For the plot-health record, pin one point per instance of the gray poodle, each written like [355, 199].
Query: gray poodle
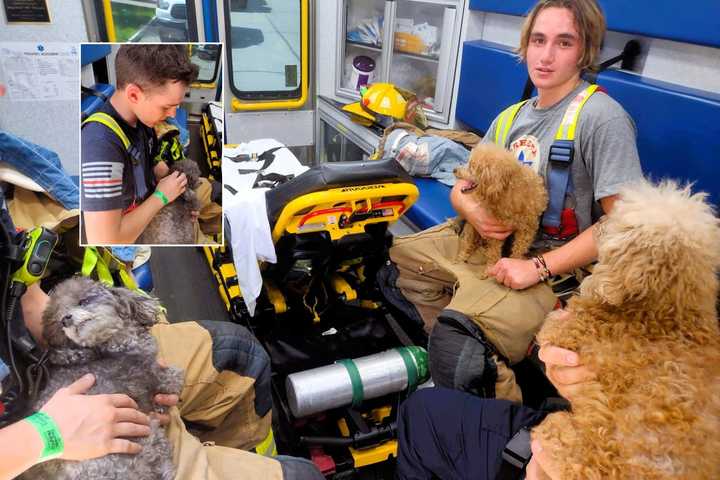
[174, 224]
[90, 328]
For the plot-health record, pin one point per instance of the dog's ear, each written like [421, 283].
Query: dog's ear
[144, 309]
[495, 169]
[658, 246]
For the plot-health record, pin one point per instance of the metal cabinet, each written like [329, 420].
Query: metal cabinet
[339, 138]
[411, 43]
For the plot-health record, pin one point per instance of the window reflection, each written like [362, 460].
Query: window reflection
[149, 20]
[206, 56]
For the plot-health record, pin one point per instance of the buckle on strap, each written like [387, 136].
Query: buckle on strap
[517, 452]
[561, 153]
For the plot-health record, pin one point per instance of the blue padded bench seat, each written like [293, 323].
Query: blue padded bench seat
[181, 116]
[678, 128]
[433, 205]
[90, 103]
[481, 97]
[692, 22]
[90, 53]
[491, 79]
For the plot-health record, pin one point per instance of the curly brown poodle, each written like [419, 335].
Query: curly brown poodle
[646, 323]
[512, 193]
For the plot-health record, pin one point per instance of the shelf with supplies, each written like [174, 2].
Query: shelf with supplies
[412, 44]
[417, 56]
[366, 46]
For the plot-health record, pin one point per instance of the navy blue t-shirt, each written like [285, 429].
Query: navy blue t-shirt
[113, 177]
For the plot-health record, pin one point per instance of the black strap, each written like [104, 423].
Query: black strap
[94, 93]
[528, 89]
[271, 180]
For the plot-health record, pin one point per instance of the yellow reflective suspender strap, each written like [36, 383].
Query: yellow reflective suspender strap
[111, 123]
[566, 130]
[502, 128]
[267, 447]
[560, 158]
[125, 277]
[93, 261]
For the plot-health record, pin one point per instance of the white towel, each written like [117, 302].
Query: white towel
[251, 242]
[246, 212]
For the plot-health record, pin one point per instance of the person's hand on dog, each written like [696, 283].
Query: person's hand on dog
[172, 185]
[514, 273]
[93, 426]
[167, 401]
[164, 400]
[564, 368]
[468, 208]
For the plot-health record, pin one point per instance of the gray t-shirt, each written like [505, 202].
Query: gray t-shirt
[606, 154]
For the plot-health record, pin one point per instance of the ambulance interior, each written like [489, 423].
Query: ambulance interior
[268, 118]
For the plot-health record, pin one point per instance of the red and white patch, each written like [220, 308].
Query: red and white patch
[527, 151]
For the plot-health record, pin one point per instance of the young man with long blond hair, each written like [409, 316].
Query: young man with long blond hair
[478, 328]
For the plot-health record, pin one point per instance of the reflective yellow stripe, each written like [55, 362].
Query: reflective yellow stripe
[111, 260]
[500, 124]
[93, 261]
[505, 122]
[89, 261]
[566, 130]
[127, 279]
[267, 447]
[109, 122]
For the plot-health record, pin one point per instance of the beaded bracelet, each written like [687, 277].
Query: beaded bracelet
[543, 271]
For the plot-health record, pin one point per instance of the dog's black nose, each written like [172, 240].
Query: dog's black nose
[66, 320]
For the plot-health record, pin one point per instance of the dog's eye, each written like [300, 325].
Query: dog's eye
[87, 300]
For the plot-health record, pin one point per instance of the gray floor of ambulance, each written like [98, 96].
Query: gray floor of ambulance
[185, 285]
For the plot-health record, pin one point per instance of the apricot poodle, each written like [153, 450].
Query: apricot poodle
[646, 323]
[512, 193]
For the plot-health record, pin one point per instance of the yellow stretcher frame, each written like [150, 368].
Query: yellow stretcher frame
[377, 454]
[211, 146]
[324, 210]
[237, 105]
[358, 198]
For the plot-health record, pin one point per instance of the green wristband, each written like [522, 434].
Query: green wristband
[161, 196]
[53, 445]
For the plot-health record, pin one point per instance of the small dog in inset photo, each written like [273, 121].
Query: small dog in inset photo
[512, 193]
[90, 328]
[174, 223]
[645, 322]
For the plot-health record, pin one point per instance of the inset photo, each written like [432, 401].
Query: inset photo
[151, 143]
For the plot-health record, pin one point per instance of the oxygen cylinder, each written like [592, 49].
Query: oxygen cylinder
[353, 380]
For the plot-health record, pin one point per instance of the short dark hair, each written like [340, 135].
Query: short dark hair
[151, 66]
